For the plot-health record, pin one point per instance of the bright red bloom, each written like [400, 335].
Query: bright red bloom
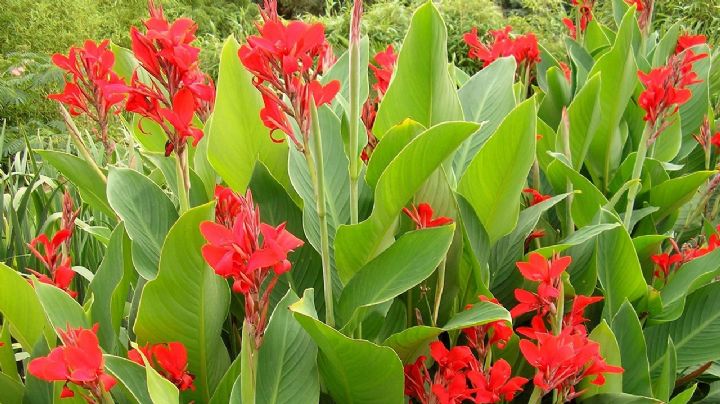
[450, 383]
[416, 376]
[59, 267]
[523, 47]
[286, 61]
[644, 9]
[482, 337]
[422, 216]
[536, 196]
[170, 360]
[715, 139]
[546, 272]
[664, 263]
[61, 277]
[687, 41]
[566, 70]
[529, 302]
[382, 70]
[536, 234]
[562, 361]
[496, 385]
[570, 25]
[78, 361]
[179, 89]
[576, 318]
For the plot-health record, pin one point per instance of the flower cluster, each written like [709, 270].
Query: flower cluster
[524, 48]
[79, 361]
[535, 196]
[235, 250]
[57, 264]
[383, 69]
[177, 89]
[286, 60]
[645, 10]
[422, 216]
[170, 360]
[667, 263]
[706, 138]
[584, 9]
[562, 356]
[91, 88]
[666, 88]
[483, 337]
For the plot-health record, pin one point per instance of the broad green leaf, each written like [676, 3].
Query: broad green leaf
[224, 389]
[610, 351]
[110, 288]
[125, 62]
[487, 97]
[287, 368]
[149, 134]
[8, 364]
[388, 148]
[474, 273]
[692, 275]
[620, 398]
[633, 350]
[12, 390]
[188, 303]
[694, 334]
[355, 245]
[237, 136]
[667, 146]
[147, 212]
[421, 88]
[615, 250]
[82, 175]
[666, 46]
[584, 115]
[412, 342]
[685, 396]
[61, 309]
[407, 262]
[663, 380]
[494, 180]
[131, 375]
[672, 194]
[20, 306]
[619, 71]
[558, 97]
[353, 371]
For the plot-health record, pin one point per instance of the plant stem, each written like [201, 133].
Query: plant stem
[354, 53]
[317, 174]
[565, 133]
[183, 185]
[439, 291]
[536, 396]
[636, 173]
[77, 139]
[557, 327]
[248, 365]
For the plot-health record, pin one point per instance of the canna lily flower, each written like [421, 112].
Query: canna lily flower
[79, 361]
[645, 10]
[416, 376]
[570, 25]
[664, 262]
[496, 384]
[61, 277]
[524, 48]
[422, 216]
[687, 41]
[383, 69]
[170, 360]
[497, 333]
[58, 266]
[51, 255]
[180, 117]
[534, 235]
[576, 318]
[546, 272]
[535, 196]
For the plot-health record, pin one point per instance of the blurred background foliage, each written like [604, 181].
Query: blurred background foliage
[32, 30]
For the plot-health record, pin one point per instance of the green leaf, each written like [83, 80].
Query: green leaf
[131, 375]
[685, 396]
[224, 389]
[12, 390]
[610, 351]
[494, 180]
[618, 69]
[690, 277]
[161, 390]
[110, 288]
[407, 262]
[353, 371]
[20, 306]
[188, 303]
[83, 176]
[663, 381]
[61, 309]
[487, 97]
[694, 334]
[615, 250]
[584, 115]
[412, 342]
[388, 148]
[620, 398]
[633, 350]
[355, 245]
[287, 368]
[421, 88]
[586, 203]
[672, 194]
[148, 214]
[237, 136]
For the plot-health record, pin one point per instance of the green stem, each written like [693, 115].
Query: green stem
[439, 291]
[354, 129]
[248, 364]
[560, 309]
[317, 174]
[636, 173]
[183, 185]
[77, 139]
[536, 396]
[565, 133]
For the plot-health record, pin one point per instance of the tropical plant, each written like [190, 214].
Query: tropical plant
[379, 229]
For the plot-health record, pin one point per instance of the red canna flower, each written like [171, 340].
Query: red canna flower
[236, 250]
[57, 265]
[566, 70]
[546, 272]
[170, 360]
[286, 60]
[178, 89]
[383, 69]
[79, 361]
[92, 88]
[422, 216]
[664, 262]
[570, 25]
[687, 41]
[535, 196]
[496, 384]
[523, 47]
[576, 318]
[482, 337]
[61, 277]
[416, 376]
[536, 234]
[715, 139]
[645, 10]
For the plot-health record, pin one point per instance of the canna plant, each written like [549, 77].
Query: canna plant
[379, 228]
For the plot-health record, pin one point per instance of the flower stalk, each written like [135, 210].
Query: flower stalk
[248, 365]
[183, 180]
[77, 140]
[636, 173]
[354, 54]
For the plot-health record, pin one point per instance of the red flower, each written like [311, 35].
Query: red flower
[178, 88]
[382, 70]
[523, 47]
[78, 361]
[61, 277]
[664, 263]
[715, 139]
[498, 333]
[170, 360]
[566, 70]
[59, 267]
[687, 41]
[546, 272]
[286, 61]
[422, 216]
[496, 385]
[570, 25]
[644, 9]
[576, 318]
[416, 376]
[450, 383]
[562, 361]
[536, 234]
[529, 302]
[536, 197]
